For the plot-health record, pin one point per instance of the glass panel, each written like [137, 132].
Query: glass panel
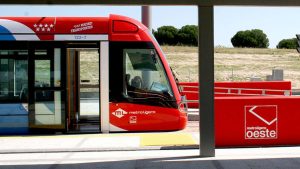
[48, 107]
[21, 77]
[42, 73]
[3, 52]
[4, 85]
[57, 65]
[89, 66]
[14, 80]
[89, 82]
[14, 52]
[40, 52]
[24, 52]
[145, 72]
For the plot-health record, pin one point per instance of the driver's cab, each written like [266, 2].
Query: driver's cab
[143, 79]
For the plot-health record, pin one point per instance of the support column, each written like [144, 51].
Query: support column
[206, 80]
[146, 20]
[146, 17]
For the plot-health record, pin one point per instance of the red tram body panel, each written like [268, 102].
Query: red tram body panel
[154, 104]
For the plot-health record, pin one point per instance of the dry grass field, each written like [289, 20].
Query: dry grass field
[231, 64]
[236, 64]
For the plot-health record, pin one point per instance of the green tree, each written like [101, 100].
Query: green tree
[188, 35]
[166, 35]
[254, 38]
[288, 44]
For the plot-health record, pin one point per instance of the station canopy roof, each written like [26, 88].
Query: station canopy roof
[159, 2]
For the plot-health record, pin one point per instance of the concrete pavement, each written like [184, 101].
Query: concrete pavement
[245, 158]
[166, 150]
[187, 138]
[98, 142]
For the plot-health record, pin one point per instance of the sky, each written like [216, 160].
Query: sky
[277, 22]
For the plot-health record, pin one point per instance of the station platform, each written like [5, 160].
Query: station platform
[98, 142]
[176, 150]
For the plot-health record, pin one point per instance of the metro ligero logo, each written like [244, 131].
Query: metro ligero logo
[119, 113]
[261, 122]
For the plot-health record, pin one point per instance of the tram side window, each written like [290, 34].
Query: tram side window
[13, 80]
[145, 72]
[4, 78]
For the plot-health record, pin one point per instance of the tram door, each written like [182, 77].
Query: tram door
[83, 90]
[46, 88]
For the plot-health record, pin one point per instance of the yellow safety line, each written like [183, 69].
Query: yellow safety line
[167, 139]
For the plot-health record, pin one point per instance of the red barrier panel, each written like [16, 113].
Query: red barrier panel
[280, 85]
[190, 90]
[257, 121]
[224, 89]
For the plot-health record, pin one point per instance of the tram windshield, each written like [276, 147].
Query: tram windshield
[144, 72]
